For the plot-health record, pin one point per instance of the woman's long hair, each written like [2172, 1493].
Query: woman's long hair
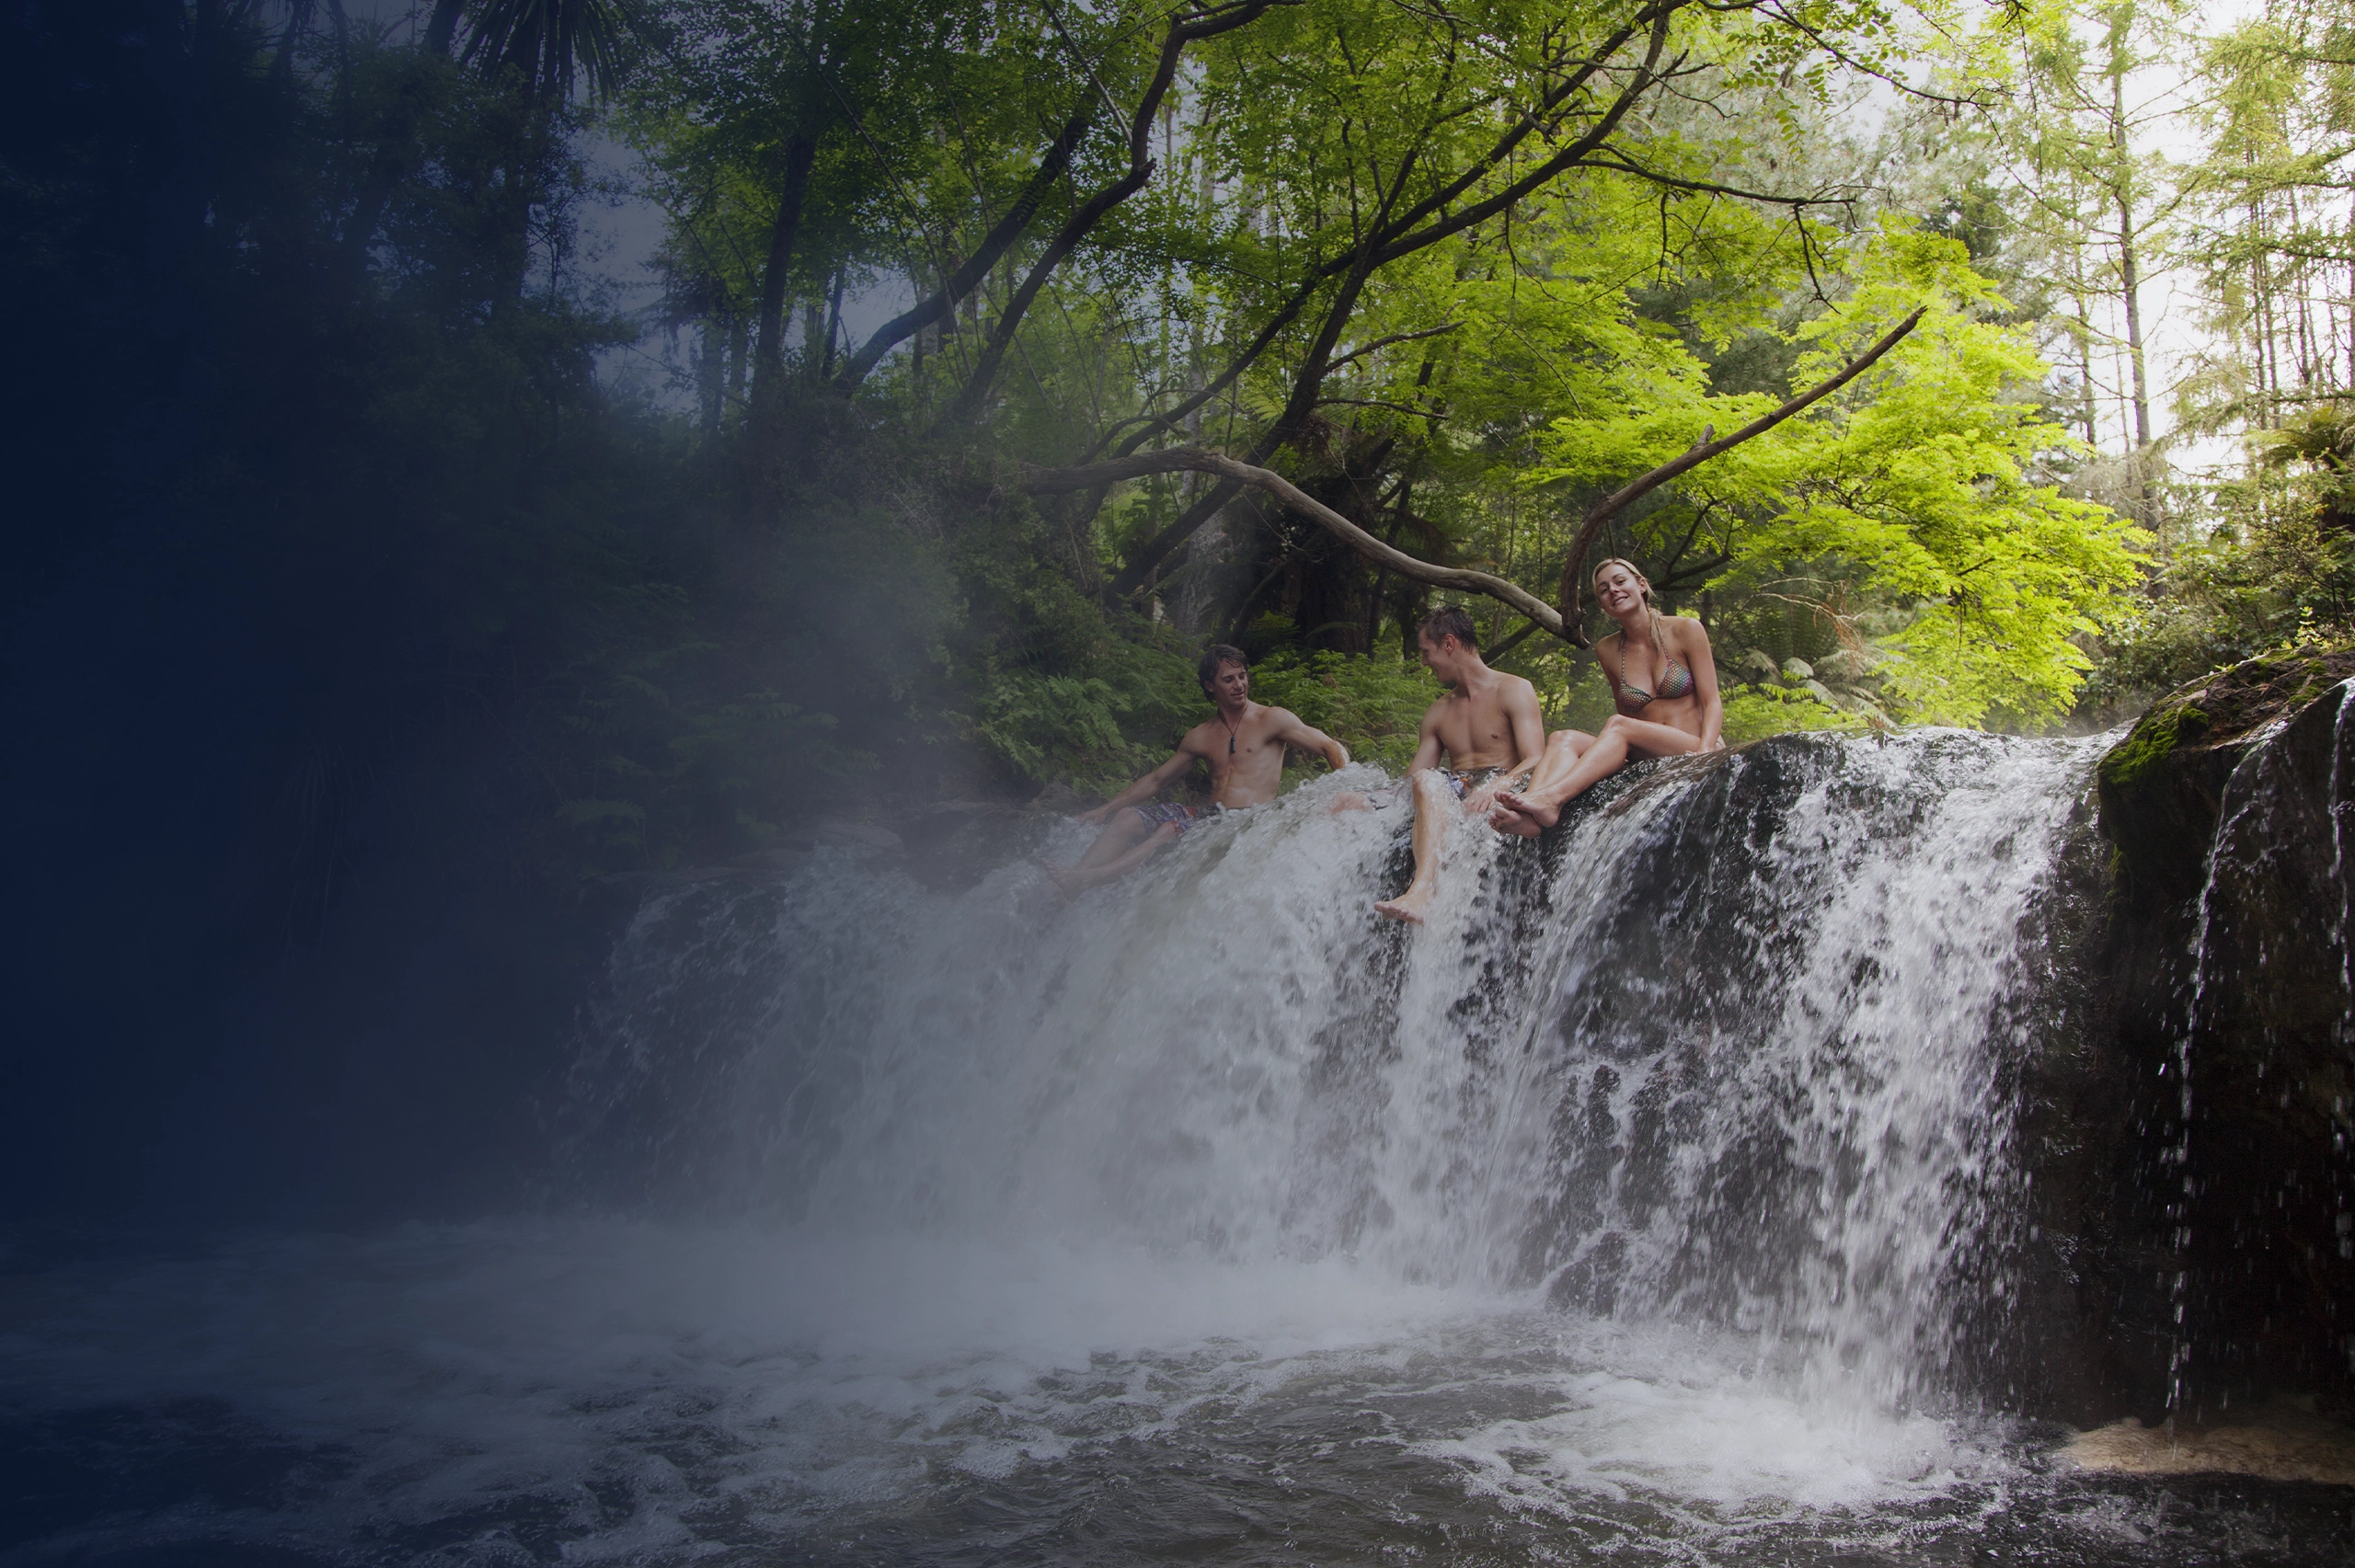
[1652, 616]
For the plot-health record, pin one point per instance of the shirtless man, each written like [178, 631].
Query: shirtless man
[1244, 743]
[1491, 732]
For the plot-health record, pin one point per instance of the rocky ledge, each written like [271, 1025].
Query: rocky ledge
[2222, 1013]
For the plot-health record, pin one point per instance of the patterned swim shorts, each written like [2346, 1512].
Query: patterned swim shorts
[1469, 779]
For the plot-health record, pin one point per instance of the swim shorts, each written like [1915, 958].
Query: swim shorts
[1465, 781]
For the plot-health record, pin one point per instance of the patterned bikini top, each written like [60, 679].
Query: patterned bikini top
[1676, 683]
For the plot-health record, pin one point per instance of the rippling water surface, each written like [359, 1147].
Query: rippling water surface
[626, 1393]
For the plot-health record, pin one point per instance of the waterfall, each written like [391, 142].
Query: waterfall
[1733, 1047]
[1672, 1195]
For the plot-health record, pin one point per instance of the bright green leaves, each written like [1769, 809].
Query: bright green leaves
[1917, 487]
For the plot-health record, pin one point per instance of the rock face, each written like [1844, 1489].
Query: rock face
[2225, 1261]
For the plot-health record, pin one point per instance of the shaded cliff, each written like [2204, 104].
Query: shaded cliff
[2227, 1260]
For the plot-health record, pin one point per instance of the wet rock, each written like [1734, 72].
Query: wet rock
[1060, 799]
[864, 834]
[2226, 991]
[2284, 1440]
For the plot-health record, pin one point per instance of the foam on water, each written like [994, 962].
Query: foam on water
[630, 1380]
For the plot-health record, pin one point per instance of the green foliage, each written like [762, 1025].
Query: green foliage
[1753, 712]
[1097, 732]
[1372, 704]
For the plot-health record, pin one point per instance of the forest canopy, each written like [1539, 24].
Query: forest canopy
[369, 508]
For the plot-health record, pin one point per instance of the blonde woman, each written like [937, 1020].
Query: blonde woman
[1665, 683]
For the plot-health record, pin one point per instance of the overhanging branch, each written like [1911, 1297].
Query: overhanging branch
[1604, 511]
[1171, 459]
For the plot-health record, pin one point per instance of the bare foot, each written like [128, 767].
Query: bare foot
[1059, 876]
[1409, 906]
[1514, 823]
[1529, 811]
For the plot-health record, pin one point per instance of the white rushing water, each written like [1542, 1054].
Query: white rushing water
[1633, 1193]
[1728, 1054]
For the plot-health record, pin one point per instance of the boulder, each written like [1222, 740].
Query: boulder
[1759, 668]
[1795, 670]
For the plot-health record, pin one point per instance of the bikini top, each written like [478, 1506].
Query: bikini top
[1677, 681]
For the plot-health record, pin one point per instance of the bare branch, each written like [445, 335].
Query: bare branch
[1204, 24]
[1045, 481]
[908, 323]
[1604, 511]
[1394, 339]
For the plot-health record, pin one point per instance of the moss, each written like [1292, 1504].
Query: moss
[2153, 740]
[2222, 707]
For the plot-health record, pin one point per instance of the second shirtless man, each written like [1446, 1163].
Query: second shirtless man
[1244, 743]
[1491, 732]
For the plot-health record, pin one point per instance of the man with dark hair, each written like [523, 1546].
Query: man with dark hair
[1490, 730]
[1243, 742]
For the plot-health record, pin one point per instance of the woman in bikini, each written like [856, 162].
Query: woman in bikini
[1665, 682]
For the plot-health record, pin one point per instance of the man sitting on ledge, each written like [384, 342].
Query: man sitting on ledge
[1490, 727]
[1243, 742]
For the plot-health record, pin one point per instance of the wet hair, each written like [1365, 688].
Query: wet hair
[1651, 611]
[1217, 656]
[1450, 621]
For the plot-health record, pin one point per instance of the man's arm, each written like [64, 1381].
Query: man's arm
[1145, 788]
[1428, 752]
[1528, 721]
[1293, 730]
[1528, 724]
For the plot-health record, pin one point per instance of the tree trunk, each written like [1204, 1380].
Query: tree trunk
[442, 27]
[711, 367]
[834, 326]
[740, 356]
[801, 151]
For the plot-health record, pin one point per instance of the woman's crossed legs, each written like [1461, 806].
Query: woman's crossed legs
[1574, 761]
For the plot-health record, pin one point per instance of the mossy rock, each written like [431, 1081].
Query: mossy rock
[2153, 741]
[2160, 788]
[2223, 707]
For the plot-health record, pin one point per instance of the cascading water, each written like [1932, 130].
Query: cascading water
[1644, 1206]
[1728, 1052]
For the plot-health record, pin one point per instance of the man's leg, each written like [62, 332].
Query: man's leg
[1609, 753]
[1126, 842]
[1434, 808]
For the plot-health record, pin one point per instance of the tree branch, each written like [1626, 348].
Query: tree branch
[1200, 25]
[908, 323]
[1610, 506]
[1047, 481]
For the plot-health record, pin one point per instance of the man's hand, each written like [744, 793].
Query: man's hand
[1099, 816]
[1482, 802]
